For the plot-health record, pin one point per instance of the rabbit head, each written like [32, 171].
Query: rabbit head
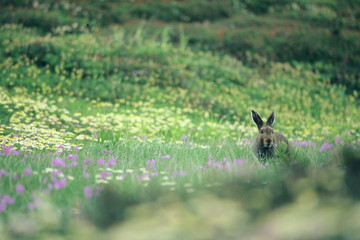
[266, 132]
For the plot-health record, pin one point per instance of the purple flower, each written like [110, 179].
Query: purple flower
[87, 161]
[326, 134]
[76, 148]
[72, 157]
[58, 162]
[86, 175]
[182, 174]
[175, 173]
[101, 162]
[184, 138]
[143, 137]
[7, 150]
[337, 140]
[16, 177]
[165, 157]
[267, 164]
[4, 172]
[95, 135]
[27, 172]
[323, 147]
[31, 206]
[112, 161]
[19, 188]
[238, 162]
[88, 191]
[209, 156]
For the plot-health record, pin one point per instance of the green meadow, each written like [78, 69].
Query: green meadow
[131, 119]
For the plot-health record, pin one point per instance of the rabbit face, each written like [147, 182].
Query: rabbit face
[266, 135]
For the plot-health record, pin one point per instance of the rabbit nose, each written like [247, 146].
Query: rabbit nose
[268, 141]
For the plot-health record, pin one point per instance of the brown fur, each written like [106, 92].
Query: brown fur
[265, 143]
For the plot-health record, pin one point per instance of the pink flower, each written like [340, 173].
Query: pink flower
[184, 138]
[31, 206]
[267, 164]
[19, 188]
[175, 173]
[95, 135]
[86, 175]
[165, 157]
[112, 161]
[143, 137]
[76, 148]
[88, 191]
[59, 162]
[27, 172]
[182, 174]
[238, 162]
[101, 162]
[337, 140]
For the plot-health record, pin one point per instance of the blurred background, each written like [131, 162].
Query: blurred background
[323, 33]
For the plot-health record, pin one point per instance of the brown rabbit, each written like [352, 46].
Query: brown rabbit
[267, 140]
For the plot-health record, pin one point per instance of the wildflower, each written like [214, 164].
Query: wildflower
[143, 137]
[76, 148]
[27, 172]
[59, 162]
[31, 206]
[104, 151]
[182, 174]
[175, 173]
[100, 161]
[267, 164]
[95, 135]
[88, 191]
[323, 147]
[238, 162]
[72, 157]
[112, 161]
[86, 175]
[19, 188]
[184, 138]
[16, 177]
[337, 140]
[165, 157]
[326, 134]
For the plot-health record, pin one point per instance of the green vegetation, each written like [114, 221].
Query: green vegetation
[132, 119]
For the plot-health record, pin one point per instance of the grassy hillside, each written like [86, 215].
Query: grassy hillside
[119, 119]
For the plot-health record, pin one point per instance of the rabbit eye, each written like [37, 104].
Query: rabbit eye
[261, 131]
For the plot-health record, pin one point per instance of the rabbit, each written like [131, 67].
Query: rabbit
[265, 143]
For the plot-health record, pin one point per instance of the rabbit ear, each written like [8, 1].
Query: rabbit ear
[256, 119]
[271, 120]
